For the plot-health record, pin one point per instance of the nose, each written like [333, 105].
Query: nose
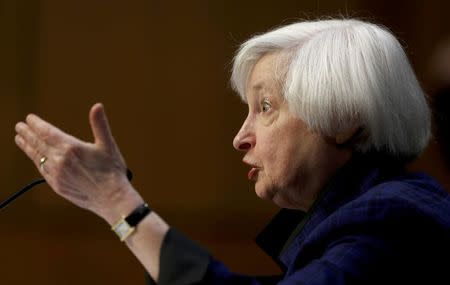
[245, 138]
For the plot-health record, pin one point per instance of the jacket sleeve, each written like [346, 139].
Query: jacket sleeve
[345, 261]
[183, 262]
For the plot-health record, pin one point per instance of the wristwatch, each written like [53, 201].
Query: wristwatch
[127, 225]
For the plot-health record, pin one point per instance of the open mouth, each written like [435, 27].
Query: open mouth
[254, 171]
[253, 174]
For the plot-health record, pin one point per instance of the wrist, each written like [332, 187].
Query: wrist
[122, 206]
[127, 224]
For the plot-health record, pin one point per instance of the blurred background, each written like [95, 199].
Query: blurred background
[162, 70]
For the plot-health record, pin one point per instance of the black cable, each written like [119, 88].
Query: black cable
[20, 192]
[37, 182]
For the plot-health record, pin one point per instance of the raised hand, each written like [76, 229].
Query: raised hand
[90, 175]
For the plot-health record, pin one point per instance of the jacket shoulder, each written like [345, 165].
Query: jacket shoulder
[412, 197]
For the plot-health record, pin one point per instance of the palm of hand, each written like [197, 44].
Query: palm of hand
[90, 175]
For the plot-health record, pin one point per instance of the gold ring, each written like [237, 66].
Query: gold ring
[42, 161]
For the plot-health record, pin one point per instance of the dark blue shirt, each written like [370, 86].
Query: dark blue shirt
[374, 223]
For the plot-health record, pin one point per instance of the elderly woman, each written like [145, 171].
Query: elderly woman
[335, 112]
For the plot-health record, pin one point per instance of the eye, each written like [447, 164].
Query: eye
[266, 106]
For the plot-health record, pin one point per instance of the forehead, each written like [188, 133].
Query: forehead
[262, 77]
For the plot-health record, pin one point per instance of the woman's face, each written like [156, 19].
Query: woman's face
[289, 163]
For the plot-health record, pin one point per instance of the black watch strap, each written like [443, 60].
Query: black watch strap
[138, 214]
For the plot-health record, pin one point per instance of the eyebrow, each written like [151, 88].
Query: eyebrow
[260, 89]
[258, 86]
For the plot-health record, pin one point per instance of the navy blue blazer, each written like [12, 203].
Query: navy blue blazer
[375, 223]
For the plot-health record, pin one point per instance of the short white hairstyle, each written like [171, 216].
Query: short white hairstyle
[340, 74]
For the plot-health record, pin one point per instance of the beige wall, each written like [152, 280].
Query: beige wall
[161, 68]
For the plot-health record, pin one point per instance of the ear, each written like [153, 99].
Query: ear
[348, 136]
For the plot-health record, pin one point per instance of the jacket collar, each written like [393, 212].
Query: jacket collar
[362, 171]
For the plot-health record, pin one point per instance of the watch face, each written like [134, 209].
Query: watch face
[123, 230]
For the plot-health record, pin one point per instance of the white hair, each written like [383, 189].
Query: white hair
[341, 74]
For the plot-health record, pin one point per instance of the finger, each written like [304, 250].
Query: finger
[100, 127]
[30, 152]
[31, 139]
[46, 131]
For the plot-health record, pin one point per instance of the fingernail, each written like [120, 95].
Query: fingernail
[29, 117]
[18, 126]
[18, 139]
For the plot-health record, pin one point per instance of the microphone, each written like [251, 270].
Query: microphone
[37, 182]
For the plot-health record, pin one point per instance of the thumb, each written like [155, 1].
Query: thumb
[100, 127]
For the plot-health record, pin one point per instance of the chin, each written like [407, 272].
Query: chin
[282, 203]
[264, 192]
[273, 194]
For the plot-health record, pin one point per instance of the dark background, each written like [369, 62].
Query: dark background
[162, 70]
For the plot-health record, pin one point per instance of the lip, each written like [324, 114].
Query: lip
[253, 174]
[254, 165]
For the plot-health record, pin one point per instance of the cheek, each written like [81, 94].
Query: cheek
[281, 157]
[282, 148]
[267, 149]
[288, 164]
[290, 156]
